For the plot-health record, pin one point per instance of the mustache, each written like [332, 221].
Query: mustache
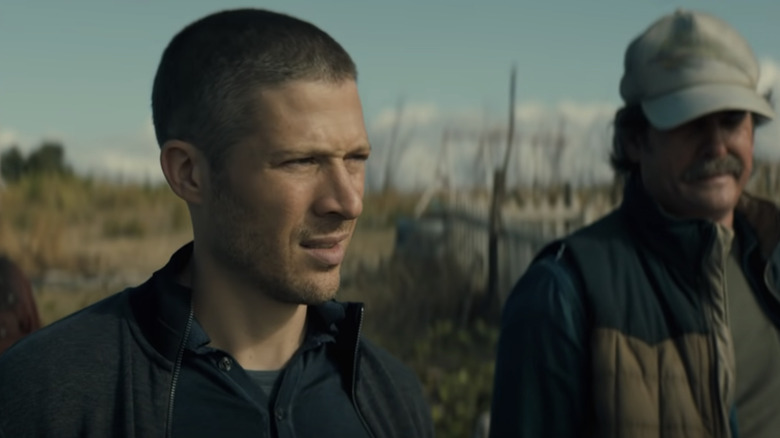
[728, 164]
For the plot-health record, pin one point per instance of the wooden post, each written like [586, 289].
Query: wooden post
[490, 309]
[492, 306]
[388, 183]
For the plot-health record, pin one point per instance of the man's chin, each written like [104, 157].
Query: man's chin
[316, 299]
[711, 207]
[314, 291]
[714, 189]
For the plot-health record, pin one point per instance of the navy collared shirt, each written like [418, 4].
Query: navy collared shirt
[216, 397]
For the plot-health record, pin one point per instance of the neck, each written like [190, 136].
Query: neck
[727, 220]
[259, 332]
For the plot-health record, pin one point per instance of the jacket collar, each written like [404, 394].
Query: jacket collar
[162, 308]
[685, 242]
[756, 222]
[763, 217]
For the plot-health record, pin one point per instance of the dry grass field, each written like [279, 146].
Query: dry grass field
[79, 240]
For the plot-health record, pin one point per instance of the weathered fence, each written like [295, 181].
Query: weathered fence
[458, 228]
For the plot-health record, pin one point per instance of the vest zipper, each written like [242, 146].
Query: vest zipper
[721, 422]
[354, 376]
[713, 357]
[722, 426]
[769, 285]
[176, 371]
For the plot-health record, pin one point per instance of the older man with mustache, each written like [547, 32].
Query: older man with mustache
[662, 318]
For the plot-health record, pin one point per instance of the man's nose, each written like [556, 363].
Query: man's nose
[714, 136]
[341, 193]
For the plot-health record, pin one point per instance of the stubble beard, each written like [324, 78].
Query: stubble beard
[247, 253]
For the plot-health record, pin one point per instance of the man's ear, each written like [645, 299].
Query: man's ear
[186, 170]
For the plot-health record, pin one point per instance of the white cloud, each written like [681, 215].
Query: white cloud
[8, 137]
[530, 112]
[11, 137]
[586, 114]
[114, 163]
[586, 134]
[768, 136]
[417, 167]
[770, 75]
[768, 141]
[130, 156]
[411, 114]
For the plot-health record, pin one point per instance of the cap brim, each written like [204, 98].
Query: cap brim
[674, 109]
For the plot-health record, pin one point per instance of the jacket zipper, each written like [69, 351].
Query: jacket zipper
[176, 370]
[721, 422]
[354, 376]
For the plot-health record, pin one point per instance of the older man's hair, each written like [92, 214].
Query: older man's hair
[630, 126]
[207, 83]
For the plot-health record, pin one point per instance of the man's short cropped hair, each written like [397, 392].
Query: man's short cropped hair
[207, 82]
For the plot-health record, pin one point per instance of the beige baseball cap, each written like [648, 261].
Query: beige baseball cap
[688, 64]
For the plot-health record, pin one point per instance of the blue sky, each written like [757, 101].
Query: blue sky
[81, 70]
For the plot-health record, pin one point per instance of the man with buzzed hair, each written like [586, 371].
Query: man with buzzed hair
[661, 319]
[261, 132]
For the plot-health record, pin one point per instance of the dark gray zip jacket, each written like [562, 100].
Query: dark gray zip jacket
[110, 370]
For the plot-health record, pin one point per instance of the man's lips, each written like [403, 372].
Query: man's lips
[713, 177]
[327, 250]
